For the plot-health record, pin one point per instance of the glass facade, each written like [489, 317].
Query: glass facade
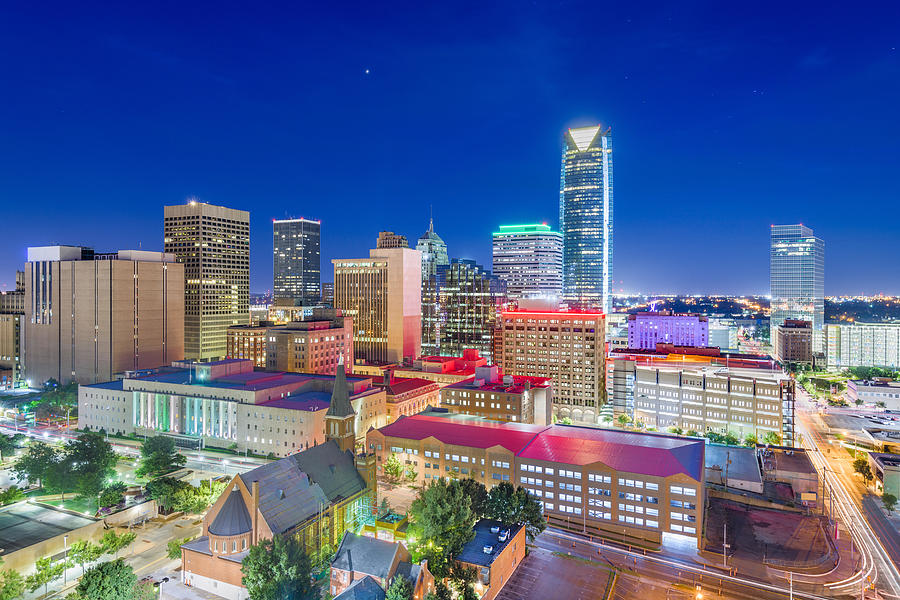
[464, 300]
[586, 217]
[296, 260]
[797, 279]
[529, 259]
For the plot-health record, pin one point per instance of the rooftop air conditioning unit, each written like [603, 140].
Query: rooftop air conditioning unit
[488, 549]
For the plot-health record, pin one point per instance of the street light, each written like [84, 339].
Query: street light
[161, 582]
[65, 560]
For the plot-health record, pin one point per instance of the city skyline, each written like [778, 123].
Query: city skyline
[759, 120]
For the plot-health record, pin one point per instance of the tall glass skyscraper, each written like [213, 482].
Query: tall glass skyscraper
[797, 278]
[586, 217]
[528, 258]
[296, 260]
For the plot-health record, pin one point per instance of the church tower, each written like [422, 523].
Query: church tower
[340, 418]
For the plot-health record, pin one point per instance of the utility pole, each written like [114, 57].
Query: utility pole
[791, 575]
[724, 545]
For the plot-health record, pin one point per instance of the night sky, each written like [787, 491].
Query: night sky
[366, 114]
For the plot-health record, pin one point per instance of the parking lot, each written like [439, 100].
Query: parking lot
[543, 574]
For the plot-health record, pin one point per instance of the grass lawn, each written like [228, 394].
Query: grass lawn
[86, 506]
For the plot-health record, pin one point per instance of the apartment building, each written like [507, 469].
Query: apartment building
[90, 316]
[567, 347]
[863, 345]
[628, 486]
[227, 402]
[792, 342]
[493, 395]
[720, 399]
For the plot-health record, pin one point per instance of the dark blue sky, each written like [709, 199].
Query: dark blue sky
[723, 123]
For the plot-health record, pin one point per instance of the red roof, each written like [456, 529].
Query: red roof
[483, 434]
[647, 454]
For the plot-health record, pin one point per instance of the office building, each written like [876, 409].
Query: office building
[797, 279]
[316, 344]
[328, 293]
[493, 395]
[406, 396]
[442, 370]
[567, 347]
[314, 496]
[389, 239]
[383, 296]
[586, 217]
[434, 257]
[12, 323]
[723, 334]
[863, 345]
[706, 398]
[463, 315]
[90, 317]
[529, 260]
[631, 487]
[879, 392]
[248, 342]
[792, 342]
[646, 329]
[227, 403]
[434, 252]
[213, 243]
[296, 260]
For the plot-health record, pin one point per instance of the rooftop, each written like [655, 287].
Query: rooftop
[367, 555]
[480, 434]
[743, 465]
[792, 460]
[473, 552]
[23, 525]
[362, 589]
[510, 384]
[891, 461]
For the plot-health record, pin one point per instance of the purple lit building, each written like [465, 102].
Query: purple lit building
[647, 329]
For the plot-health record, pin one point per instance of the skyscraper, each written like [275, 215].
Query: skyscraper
[434, 256]
[797, 279]
[383, 296]
[586, 217]
[213, 242]
[529, 259]
[434, 251]
[296, 260]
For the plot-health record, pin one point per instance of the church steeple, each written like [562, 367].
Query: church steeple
[340, 418]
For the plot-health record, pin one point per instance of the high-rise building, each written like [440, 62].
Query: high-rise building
[646, 329]
[296, 260]
[12, 323]
[529, 259]
[492, 395]
[567, 347]
[314, 345]
[586, 217]
[389, 239]
[213, 243]
[89, 317]
[434, 251]
[863, 345]
[467, 300]
[434, 256]
[383, 296]
[797, 279]
[792, 342]
[328, 293]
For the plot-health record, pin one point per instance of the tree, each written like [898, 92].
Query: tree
[173, 548]
[565, 421]
[10, 495]
[392, 467]
[163, 490]
[92, 461]
[113, 580]
[889, 501]
[441, 592]
[12, 585]
[442, 513]
[45, 573]
[278, 569]
[861, 466]
[515, 506]
[158, 457]
[411, 473]
[477, 494]
[692, 433]
[750, 439]
[8, 445]
[323, 558]
[715, 437]
[772, 438]
[84, 552]
[623, 420]
[400, 589]
[113, 494]
[676, 430]
[111, 542]
[37, 461]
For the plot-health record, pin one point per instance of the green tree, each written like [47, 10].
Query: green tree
[278, 569]
[12, 585]
[10, 495]
[113, 494]
[515, 506]
[731, 439]
[164, 491]
[392, 467]
[411, 473]
[750, 439]
[565, 421]
[889, 501]
[441, 592]
[772, 439]
[158, 457]
[623, 420]
[676, 430]
[113, 542]
[715, 437]
[8, 445]
[477, 494]
[113, 580]
[442, 515]
[84, 552]
[45, 573]
[36, 462]
[861, 466]
[400, 589]
[692, 433]
[92, 462]
[173, 548]
[322, 558]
